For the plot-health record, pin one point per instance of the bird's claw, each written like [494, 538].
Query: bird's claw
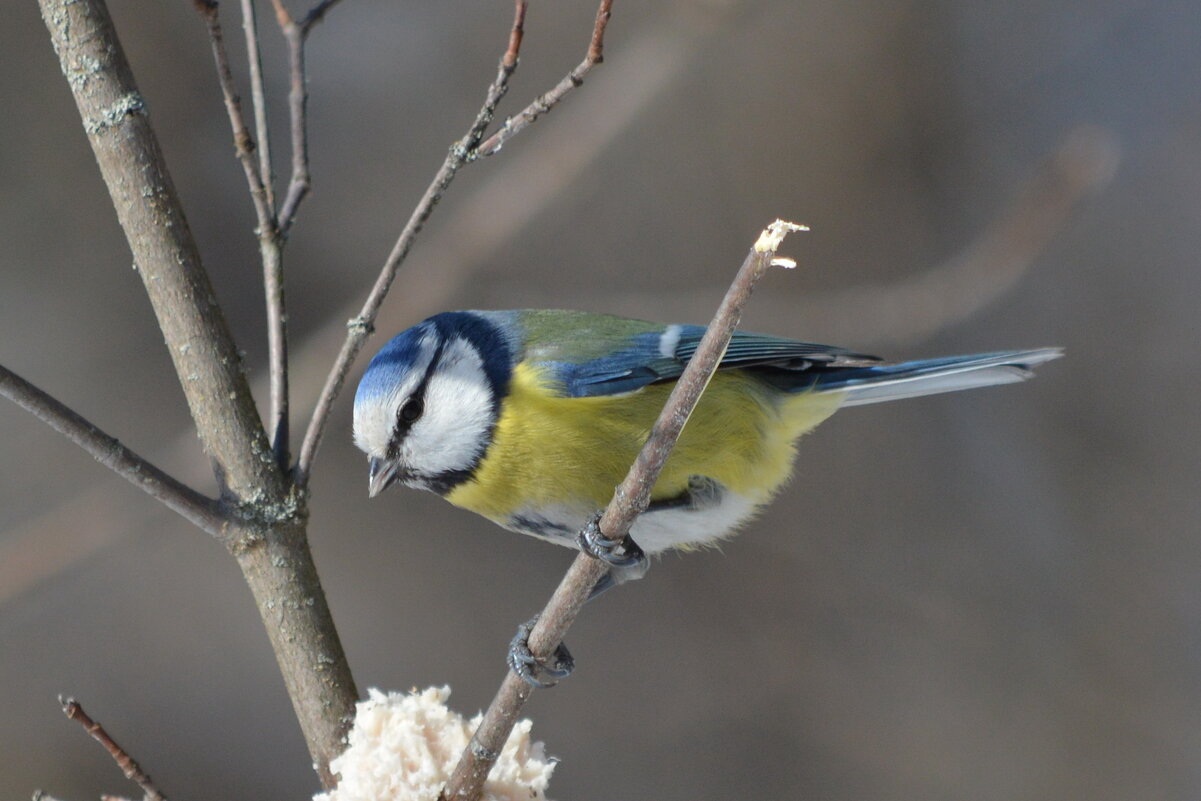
[540, 673]
[623, 553]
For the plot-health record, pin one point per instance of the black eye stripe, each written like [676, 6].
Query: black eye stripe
[401, 430]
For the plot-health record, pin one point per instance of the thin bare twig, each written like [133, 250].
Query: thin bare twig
[258, 97]
[271, 238]
[125, 762]
[258, 177]
[180, 498]
[544, 103]
[629, 500]
[271, 253]
[244, 145]
[298, 99]
[359, 328]
[299, 186]
[295, 34]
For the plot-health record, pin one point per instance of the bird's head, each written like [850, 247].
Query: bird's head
[426, 406]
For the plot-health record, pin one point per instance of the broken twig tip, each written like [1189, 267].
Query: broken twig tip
[774, 234]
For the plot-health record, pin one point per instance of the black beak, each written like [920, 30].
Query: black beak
[381, 475]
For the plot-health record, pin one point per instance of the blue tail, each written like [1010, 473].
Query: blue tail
[930, 376]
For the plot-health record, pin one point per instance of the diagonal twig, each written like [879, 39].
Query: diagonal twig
[125, 762]
[629, 500]
[360, 327]
[469, 148]
[178, 497]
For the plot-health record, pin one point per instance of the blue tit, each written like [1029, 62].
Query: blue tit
[531, 418]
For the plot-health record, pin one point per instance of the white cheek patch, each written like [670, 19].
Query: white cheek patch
[453, 431]
[375, 411]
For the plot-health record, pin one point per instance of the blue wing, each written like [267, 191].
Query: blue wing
[632, 361]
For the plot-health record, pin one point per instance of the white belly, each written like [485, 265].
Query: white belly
[654, 531]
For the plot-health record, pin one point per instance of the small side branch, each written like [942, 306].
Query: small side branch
[544, 103]
[201, 511]
[125, 762]
[296, 34]
[629, 500]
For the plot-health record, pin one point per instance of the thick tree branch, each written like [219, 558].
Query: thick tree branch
[279, 569]
[125, 762]
[267, 531]
[629, 500]
[201, 511]
[131, 162]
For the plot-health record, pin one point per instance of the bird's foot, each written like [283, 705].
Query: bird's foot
[540, 673]
[626, 560]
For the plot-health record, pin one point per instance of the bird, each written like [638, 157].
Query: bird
[531, 417]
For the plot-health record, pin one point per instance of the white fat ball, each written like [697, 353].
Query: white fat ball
[404, 746]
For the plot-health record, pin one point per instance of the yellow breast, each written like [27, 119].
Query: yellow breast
[571, 452]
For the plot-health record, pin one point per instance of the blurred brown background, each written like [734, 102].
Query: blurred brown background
[992, 595]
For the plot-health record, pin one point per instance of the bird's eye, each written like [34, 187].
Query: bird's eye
[411, 410]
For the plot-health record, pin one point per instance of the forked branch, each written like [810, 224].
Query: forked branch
[296, 34]
[629, 500]
[544, 103]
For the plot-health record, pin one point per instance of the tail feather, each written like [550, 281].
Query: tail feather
[865, 385]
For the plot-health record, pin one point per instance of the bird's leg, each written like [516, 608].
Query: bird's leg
[626, 560]
[541, 673]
